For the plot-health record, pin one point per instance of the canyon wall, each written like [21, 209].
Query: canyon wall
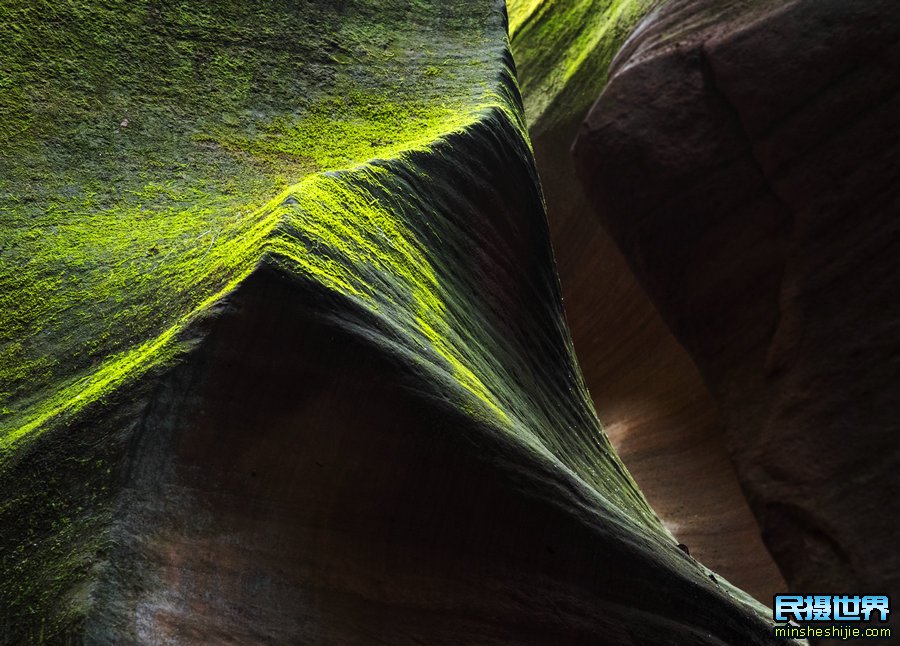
[285, 352]
[649, 395]
[760, 142]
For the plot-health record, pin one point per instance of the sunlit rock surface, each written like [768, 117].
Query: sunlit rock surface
[284, 352]
[648, 394]
[764, 139]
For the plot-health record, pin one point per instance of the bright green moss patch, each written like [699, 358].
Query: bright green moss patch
[340, 132]
[563, 49]
[345, 238]
[145, 153]
[141, 144]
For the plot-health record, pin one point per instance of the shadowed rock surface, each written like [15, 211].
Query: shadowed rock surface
[761, 140]
[648, 394]
[287, 354]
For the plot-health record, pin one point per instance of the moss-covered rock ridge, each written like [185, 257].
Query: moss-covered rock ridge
[180, 181]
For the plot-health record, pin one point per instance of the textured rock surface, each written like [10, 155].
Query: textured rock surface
[761, 142]
[291, 363]
[647, 392]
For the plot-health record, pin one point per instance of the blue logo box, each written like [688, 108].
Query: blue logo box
[823, 607]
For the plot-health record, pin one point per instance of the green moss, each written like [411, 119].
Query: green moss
[340, 132]
[345, 238]
[142, 144]
[563, 50]
[145, 153]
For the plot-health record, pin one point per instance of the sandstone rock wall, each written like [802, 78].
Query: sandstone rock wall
[760, 142]
[648, 394]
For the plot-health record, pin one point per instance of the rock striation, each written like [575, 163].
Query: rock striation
[759, 142]
[648, 393]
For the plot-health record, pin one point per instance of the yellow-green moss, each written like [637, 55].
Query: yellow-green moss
[346, 239]
[563, 49]
[143, 142]
[145, 153]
